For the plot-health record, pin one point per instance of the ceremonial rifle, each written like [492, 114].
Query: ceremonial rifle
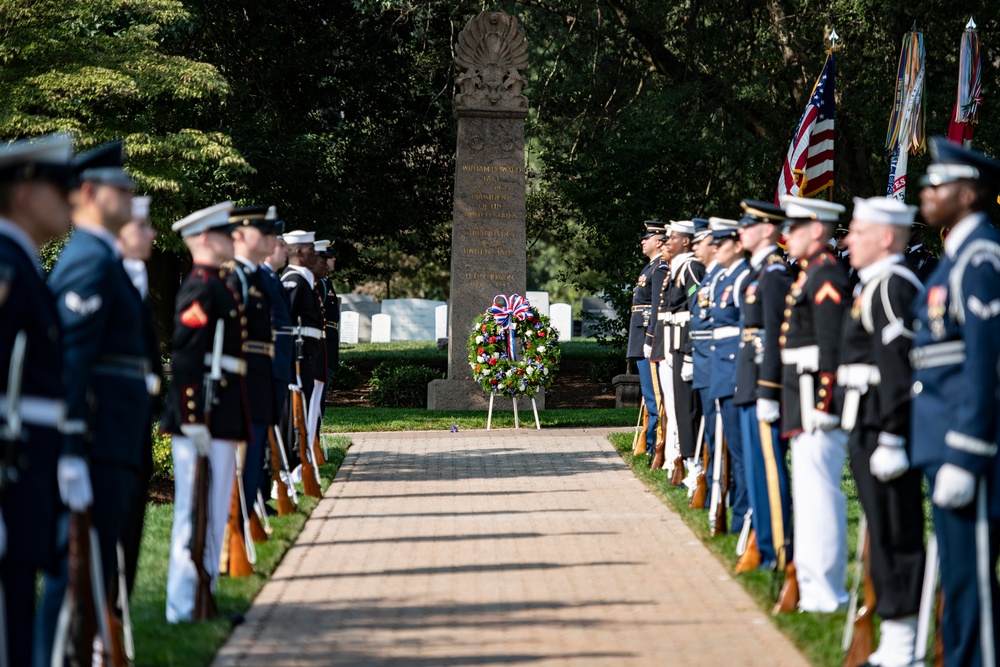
[287, 496]
[788, 597]
[638, 441]
[204, 601]
[859, 630]
[701, 483]
[241, 550]
[720, 480]
[310, 476]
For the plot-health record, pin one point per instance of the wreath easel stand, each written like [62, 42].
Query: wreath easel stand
[517, 423]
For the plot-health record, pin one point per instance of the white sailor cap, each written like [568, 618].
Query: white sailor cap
[214, 218]
[299, 236]
[48, 158]
[884, 211]
[723, 228]
[801, 209]
[140, 207]
[682, 226]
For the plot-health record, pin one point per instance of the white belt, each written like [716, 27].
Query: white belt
[44, 412]
[682, 318]
[307, 332]
[230, 364]
[805, 359]
[860, 376]
[665, 317]
[725, 332]
[938, 354]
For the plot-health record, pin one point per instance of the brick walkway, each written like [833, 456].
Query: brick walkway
[476, 548]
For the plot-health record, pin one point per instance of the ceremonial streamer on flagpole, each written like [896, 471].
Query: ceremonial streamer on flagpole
[808, 167]
[906, 124]
[970, 86]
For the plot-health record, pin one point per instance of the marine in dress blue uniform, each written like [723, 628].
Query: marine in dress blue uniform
[105, 359]
[809, 351]
[724, 312]
[875, 372]
[758, 383]
[639, 321]
[325, 262]
[701, 340]
[204, 301]
[29, 498]
[954, 417]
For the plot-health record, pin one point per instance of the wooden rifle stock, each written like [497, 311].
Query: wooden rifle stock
[639, 439]
[677, 476]
[239, 561]
[318, 455]
[861, 629]
[78, 623]
[939, 630]
[285, 504]
[701, 488]
[721, 525]
[750, 558]
[116, 652]
[204, 601]
[309, 485]
[788, 598]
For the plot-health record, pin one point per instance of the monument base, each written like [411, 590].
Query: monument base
[628, 393]
[465, 394]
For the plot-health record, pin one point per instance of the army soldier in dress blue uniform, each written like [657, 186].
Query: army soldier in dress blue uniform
[758, 386]
[253, 242]
[875, 372]
[34, 178]
[954, 416]
[642, 309]
[701, 341]
[658, 339]
[206, 305]
[809, 342]
[686, 275]
[724, 311]
[105, 356]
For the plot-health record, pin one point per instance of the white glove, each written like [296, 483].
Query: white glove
[3, 537]
[73, 477]
[647, 350]
[889, 459]
[954, 487]
[687, 370]
[199, 435]
[768, 411]
[824, 421]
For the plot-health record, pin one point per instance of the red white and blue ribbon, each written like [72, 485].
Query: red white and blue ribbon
[507, 311]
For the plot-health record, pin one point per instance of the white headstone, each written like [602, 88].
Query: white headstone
[562, 320]
[441, 322]
[412, 319]
[365, 306]
[381, 326]
[349, 321]
[539, 300]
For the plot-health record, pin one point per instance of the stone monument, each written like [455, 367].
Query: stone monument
[488, 235]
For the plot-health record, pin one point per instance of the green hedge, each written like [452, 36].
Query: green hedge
[396, 385]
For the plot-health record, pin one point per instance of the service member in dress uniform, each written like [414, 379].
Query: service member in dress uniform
[758, 384]
[810, 338]
[701, 340]
[105, 359]
[326, 260]
[253, 242]
[306, 312]
[642, 309]
[843, 254]
[724, 311]
[875, 372]
[35, 175]
[921, 260]
[686, 274]
[954, 416]
[658, 338]
[206, 304]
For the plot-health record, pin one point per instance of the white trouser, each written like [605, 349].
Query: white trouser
[313, 413]
[182, 577]
[665, 372]
[819, 509]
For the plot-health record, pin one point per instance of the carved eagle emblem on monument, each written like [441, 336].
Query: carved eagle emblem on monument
[490, 54]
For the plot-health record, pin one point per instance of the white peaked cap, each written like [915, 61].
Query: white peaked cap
[321, 246]
[723, 225]
[682, 226]
[801, 208]
[50, 149]
[203, 220]
[299, 236]
[884, 211]
[272, 213]
[140, 207]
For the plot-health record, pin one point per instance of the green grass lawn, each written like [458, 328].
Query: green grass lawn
[818, 636]
[346, 420]
[191, 644]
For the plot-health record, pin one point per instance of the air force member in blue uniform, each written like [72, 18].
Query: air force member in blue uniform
[105, 356]
[758, 385]
[955, 415]
[724, 311]
[34, 178]
[642, 307]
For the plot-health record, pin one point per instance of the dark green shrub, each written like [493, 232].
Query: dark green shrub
[605, 366]
[347, 376]
[163, 460]
[397, 385]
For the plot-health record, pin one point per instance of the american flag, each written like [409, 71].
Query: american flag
[808, 167]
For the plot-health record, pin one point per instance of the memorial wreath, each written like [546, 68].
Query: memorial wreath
[513, 349]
